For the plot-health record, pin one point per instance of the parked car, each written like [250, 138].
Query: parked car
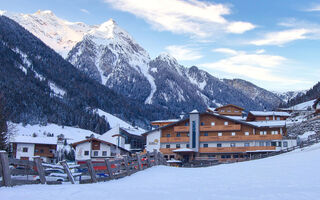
[51, 177]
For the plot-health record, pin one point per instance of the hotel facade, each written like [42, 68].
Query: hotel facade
[220, 134]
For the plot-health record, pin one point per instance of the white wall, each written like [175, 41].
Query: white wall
[80, 149]
[103, 147]
[153, 140]
[20, 152]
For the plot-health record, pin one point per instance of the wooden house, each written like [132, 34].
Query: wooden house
[267, 116]
[26, 147]
[212, 135]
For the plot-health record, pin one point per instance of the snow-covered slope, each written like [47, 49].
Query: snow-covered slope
[71, 133]
[303, 106]
[59, 34]
[293, 176]
[287, 96]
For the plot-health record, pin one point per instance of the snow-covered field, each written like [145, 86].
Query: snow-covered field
[293, 176]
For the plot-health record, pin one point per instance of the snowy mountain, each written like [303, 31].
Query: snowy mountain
[288, 96]
[109, 55]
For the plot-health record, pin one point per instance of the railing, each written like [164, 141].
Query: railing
[181, 129]
[235, 149]
[19, 172]
[174, 139]
[240, 138]
[236, 127]
[167, 150]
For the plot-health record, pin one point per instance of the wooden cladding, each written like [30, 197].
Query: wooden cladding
[167, 150]
[181, 129]
[235, 127]
[174, 139]
[235, 149]
[240, 138]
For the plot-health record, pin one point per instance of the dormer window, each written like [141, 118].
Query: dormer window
[226, 123]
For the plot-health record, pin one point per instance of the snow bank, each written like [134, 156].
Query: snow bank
[305, 136]
[293, 176]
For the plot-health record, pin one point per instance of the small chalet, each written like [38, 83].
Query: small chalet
[96, 149]
[26, 147]
[230, 109]
[267, 116]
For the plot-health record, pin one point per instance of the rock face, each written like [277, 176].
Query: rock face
[109, 55]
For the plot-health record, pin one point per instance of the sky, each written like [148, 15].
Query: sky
[273, 44]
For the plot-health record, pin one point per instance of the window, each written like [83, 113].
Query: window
[228, 156]
[232, 144]
[178, 135]
[267, 118]
[261, 144]
[246, 133]
[219, 145]
[278, 118]
[261, 132]
[25, 149]
[264, 132]
[247, 144]
[41, 151]
[171, 157]
[193, 134]
[222, 110]
[95, 153]
[86, 153]
[226, 123]
[228, 110]
[276, 132]
[268, 144]
[219, 134]
[168, 135]
[233, 133]
[177, 146]
[274, 144]
[236, 111]
[235, 156]
[202, 123]
[205, 134]
[205, 145]
[36, 150]
[223, 156]
[104, 153]
[188, 145]
[186, 124]
[213, 124]
[168, 146]
[285, 144]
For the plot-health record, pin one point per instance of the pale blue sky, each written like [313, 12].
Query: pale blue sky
[274, 45]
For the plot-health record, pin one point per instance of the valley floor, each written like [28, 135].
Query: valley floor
[294, 175]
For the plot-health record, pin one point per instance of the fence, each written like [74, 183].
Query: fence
[34, 172]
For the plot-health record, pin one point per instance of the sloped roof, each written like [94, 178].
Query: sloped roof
[240, 108]
[34, 140]
[98, 140]
[269, 113]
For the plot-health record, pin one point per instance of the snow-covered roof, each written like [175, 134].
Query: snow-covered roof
[194, 111]
[268, 123]
[173, 161]
[134, 131]
[34, 140]
[269, 113]
[236, 117]
[164, 121]
[183, 150]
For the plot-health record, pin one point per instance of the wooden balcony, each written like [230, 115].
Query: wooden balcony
[235, 149]
[240, 138]
[174, 139]
[236, 127]
[167, 150]
[49, 155]
[181, 129]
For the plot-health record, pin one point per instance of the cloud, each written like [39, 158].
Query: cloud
[183, 52]
[313, 8]
[256, 66]
[194, 17]
[84, 11]
[282, 37]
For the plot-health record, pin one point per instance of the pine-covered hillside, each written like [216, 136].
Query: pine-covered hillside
[39, 86]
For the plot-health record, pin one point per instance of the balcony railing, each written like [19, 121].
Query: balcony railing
[235, 149]
[167, 150]
[240, 138]
[236, 127]
[181, 129]
[174, 139]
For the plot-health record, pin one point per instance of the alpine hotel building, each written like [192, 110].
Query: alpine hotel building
[222, 134]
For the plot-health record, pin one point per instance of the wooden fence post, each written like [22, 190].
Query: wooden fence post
[91, 171]
[5, 171]
[125, 160]
[139, 162]
[108, 164]
[148, 159]
[38, 162]
[156, 157]
[67, 171]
